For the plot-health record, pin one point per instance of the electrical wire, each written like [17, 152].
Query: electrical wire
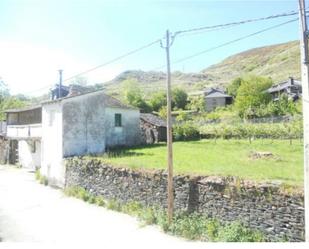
[228, 43]
[236, 23]
[101, 65]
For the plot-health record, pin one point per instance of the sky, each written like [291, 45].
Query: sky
[39, 37]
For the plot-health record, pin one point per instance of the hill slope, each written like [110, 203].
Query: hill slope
[276, 61]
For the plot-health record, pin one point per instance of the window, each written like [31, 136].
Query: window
[117, 120]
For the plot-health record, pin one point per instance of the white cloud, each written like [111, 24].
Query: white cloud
[27, 68]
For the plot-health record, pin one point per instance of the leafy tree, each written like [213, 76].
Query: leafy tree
[179, 98]
[80, 80]
[133, 95]
[283, 106]
[252, 94]
[197, 103]
[4, 90]
[233, 87]
[158, 100]
[163, 112]
[10, 103]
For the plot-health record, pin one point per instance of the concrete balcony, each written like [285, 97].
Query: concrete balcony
[24, 131]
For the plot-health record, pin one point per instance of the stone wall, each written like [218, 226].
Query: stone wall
[276, 212]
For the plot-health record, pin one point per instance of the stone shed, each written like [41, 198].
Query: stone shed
[153, 128]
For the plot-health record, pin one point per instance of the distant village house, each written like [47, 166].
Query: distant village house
[214, 98]
[291, 87]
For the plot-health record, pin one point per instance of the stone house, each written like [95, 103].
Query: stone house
[153, 128]
[291, 87]
[71, 126]
[214, 98]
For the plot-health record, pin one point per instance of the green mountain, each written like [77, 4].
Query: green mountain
[276, 61]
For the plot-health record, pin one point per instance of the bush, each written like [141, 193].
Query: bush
[185, 131]
[236, 232]
[291, 130]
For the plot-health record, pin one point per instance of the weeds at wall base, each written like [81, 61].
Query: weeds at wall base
[42, 179]
[189, 226]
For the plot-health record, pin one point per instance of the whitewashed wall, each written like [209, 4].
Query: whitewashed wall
[83, 125]
[52, 144]
[28, 156]
[129, 133]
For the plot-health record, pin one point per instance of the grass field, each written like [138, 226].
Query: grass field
[225, 157]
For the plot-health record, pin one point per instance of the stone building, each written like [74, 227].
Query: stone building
[153, 128]
[90, 123]
[291, 87]
[214, 98]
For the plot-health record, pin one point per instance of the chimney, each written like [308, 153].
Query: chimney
[291, 81]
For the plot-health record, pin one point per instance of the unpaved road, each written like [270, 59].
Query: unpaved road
[31, 212]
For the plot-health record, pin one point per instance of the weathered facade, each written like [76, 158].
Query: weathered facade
[153, 128]
[24, 132]
[85, 124]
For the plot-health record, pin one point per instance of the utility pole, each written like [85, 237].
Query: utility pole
[60, 83]
[305, 99]
[170, 188]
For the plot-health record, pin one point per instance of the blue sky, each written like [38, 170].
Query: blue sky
[37, 37]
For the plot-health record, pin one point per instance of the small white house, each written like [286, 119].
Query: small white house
[79, 125]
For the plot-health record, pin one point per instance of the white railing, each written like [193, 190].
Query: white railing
[24, 131]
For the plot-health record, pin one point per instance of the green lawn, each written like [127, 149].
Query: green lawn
[225, 157]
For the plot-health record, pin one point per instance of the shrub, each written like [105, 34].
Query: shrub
[236, 232]
[100, 201]
[113, 205]
[185, 131]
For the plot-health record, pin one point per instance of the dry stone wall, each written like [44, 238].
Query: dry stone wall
[266, 207]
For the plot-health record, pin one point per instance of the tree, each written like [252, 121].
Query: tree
[133, 95]
[4, 90]
[252, 94]
[158, 100]
[283, 106]
[10, 103]
[233, 87]
[179, 98]
[80, 81]
[197, 103]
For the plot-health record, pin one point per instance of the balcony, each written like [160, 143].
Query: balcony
[24, 131]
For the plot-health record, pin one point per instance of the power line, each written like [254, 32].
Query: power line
[209, 28]
[183, 33]
[115, 59]
[229, 42]
[102, 65]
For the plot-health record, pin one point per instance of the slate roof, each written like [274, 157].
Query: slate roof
[212, 93]
[153, 119]
[284, 85]
[217, 94]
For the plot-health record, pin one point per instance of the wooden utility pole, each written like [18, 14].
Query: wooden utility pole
[60, 83]
[170, 188]
[305, 99]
